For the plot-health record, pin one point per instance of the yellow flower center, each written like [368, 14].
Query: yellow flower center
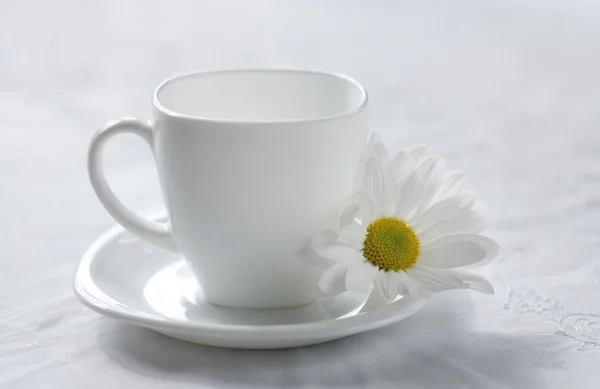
[391, 244]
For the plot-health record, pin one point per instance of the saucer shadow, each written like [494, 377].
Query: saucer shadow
[433, 348]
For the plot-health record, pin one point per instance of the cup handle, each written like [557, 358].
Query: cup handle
[154, 232]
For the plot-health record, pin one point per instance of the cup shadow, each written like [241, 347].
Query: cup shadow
[434, 348]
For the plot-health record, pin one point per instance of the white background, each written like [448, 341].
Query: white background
[507, 90]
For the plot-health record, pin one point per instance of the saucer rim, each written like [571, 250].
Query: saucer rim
[396, 311]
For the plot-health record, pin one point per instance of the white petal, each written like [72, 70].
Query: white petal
[375, 300]
[409, 189]
[390, 283]
[377, 152]
[403, 207]
[376, 148]
[475, 281]
[323, 240]
[347, 215]
[433, 280]
[454, 182]
[399, 168]
[327, 245]
[380, 152]
[333, 280]
[418, 152]
[429, 185]
[307, 255]
[459, 250]
[360, 276]
[409, 287]
[359, 209]
[444, 209]
[353, 235]
[374, 140]
[374, 182]
[361, 171]
[396, 173]
[426, 181]
[467, 222]
[455, 252]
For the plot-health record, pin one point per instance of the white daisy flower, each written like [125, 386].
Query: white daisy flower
[409, 229]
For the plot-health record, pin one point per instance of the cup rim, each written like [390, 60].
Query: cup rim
[161, 108]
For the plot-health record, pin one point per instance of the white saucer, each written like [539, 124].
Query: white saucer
[126, 278]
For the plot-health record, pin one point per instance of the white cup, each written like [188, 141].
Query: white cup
[250, 162]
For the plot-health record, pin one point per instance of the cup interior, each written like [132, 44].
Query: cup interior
[260, 96]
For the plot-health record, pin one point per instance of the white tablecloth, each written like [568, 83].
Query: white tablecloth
[507, 90]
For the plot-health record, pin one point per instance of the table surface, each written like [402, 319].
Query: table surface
[507, 90]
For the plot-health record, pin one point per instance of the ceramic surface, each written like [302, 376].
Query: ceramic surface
[250, 163]
[126, 278]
